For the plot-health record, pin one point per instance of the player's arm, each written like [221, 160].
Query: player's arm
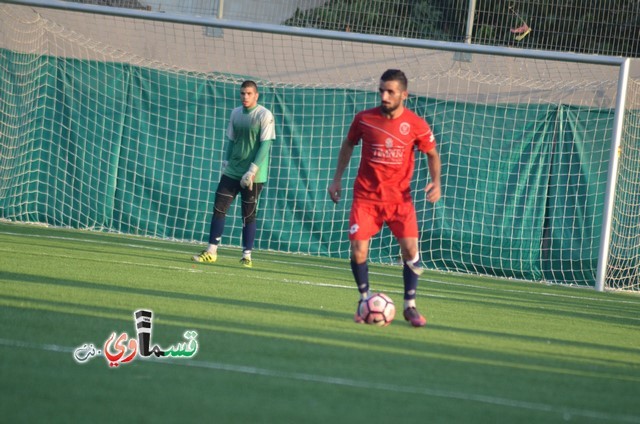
[267, 137]
[258, 162]
[227, 154]
[262, 153]
[230, 142]
[433, 187]
[335, 188]
[229, 151]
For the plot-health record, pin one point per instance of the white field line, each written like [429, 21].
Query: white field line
[145, 246]
[566, 413]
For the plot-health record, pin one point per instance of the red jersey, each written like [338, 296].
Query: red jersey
[387, 161]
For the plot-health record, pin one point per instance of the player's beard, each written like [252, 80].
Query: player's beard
[389, 108]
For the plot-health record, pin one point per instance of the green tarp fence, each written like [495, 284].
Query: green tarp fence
[122, 148]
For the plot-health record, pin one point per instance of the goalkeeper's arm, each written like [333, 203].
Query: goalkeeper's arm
[258, 161]
[227, 155]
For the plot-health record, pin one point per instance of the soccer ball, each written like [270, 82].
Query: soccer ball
[378, 310]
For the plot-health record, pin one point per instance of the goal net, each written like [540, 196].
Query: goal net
[117, 123]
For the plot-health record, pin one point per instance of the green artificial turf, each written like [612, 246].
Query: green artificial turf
[277, 343]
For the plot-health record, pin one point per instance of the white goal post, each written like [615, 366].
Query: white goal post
[114, 120]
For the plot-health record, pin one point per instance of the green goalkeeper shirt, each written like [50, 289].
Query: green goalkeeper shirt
[247, 130]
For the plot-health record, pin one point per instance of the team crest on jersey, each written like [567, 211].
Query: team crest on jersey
[405, 128]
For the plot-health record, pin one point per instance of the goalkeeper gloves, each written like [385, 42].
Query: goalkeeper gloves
[225, 163]
[247, 178]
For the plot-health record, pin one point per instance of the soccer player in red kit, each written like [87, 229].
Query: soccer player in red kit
[390, 134]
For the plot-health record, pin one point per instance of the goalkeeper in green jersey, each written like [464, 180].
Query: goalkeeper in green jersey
[250, 133]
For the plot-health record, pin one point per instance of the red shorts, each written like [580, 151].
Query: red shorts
[366, 219]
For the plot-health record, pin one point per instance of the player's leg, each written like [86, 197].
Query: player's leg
[364, 222]
[359, 266]
[404, 225]
[411, 270]
[249, 211]
[227, 190]
[360, 270]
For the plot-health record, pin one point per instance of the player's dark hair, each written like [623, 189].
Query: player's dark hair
[395, 75]
[249, 83]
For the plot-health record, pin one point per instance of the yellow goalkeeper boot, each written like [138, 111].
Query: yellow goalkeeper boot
[205, 257]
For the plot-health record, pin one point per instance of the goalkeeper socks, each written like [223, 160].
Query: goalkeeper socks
[361, 275]
[248, 236]
[215, 233]
[410, 272]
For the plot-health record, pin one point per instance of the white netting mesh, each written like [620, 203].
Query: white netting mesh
[482, 107]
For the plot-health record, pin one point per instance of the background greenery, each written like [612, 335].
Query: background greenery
[598, 27]
[607, 27]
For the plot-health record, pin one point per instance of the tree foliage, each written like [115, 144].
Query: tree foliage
[599, 26]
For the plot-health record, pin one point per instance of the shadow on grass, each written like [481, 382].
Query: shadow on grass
[39, 279]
